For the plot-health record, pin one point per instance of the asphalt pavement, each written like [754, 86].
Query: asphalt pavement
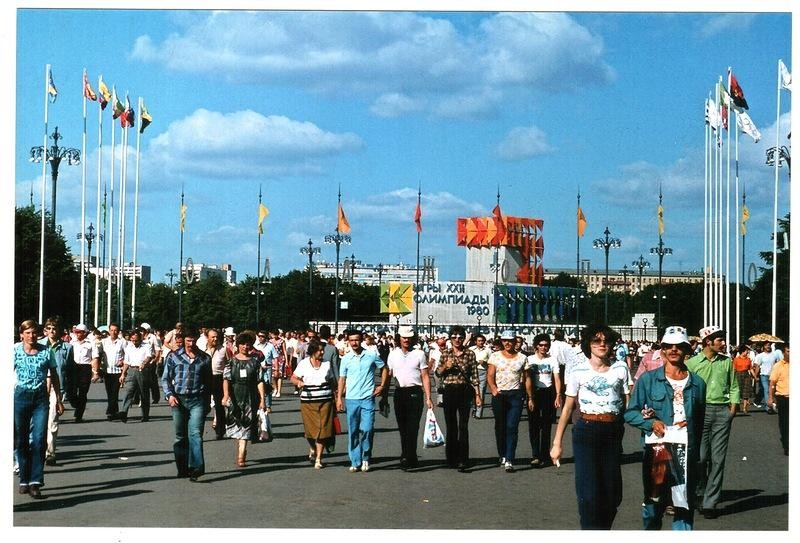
[122, 475]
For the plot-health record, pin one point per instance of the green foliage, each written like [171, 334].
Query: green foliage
[61, 280]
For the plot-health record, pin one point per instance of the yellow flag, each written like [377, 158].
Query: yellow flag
[660, 214]
[342, 226]
[745, 217]
[581, 222]
[183, 216]
[262, 214]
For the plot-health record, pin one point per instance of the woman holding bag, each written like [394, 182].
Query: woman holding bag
[316, 381]
[243, 393]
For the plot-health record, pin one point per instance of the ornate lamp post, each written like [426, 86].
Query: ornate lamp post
[89, 236]
[310, 251]
[380, 269]
[172, 275]
[337, 239]
[642, 264]
[625, 271]
[661, 251]
[54, 155]
[606, 243]
[783, 156]
[430, 325]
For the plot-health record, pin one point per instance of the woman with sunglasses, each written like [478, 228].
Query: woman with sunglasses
[597, 432]
[509, 383]
[546, 399]
[669, 398]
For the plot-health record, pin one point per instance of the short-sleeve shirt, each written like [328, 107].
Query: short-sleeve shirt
[407, 367]
[508, 371]
[599, 392]
[85, 351]
[31, 369]
[359, 373]
[316, 381]
[542, 370]
[134, 356]
[270, 353]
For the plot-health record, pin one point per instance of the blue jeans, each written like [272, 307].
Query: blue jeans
[30, 433]
[188, 418]
[598, 477]
[765, 387]
[360, 429]
[653, 513]
[482, 388]
[507, 409]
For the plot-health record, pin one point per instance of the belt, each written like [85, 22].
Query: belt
[600, 417]
[134, 367]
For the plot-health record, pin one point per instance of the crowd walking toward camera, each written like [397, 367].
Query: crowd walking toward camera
[681, 393]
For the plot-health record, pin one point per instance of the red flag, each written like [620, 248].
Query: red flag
[87, 89]
[501, 227]
[418, 218]
[737, 94]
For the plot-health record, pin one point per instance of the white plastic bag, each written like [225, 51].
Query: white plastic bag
[433, 436]
[264, 426]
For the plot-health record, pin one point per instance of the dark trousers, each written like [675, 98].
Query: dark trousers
[111, 381]
[457, 401]
[507, 409]
[137, 382]
[598, 478]
[540, 422]
[219, 409]
[83, 380]
[154, 376]
[782, 403]
[408, 411]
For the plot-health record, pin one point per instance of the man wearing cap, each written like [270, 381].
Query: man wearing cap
[187, 387]
[410, 369]
[669, 398]
[230, 342]
[357, 387]
[722, 397]
[87, 367]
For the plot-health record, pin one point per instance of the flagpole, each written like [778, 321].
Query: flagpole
[97, 219]
[775, 205]
[44, 186]
[736, 235]
[578, 268]
[111, 216]
[719, 224]
[744, 232]
[180, 263]
[83, 317]
[336, 284]
[706, 148]
[136, 217]
[496, 268]
[416, 286]
[258, 264]
[726, 285]
[123, 188]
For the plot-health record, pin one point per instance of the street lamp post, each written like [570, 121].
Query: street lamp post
[310, 251]
[430, 325]
[337, 239]
[606, 243]
[661, 251]
[172, 275]
[380, 269]
[54, 155]
[625, 271]
[89, 236]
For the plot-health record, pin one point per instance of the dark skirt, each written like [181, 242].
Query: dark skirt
[745, 384]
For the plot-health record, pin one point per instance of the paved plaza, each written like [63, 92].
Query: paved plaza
[111, 474]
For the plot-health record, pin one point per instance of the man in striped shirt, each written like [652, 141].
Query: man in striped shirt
[186, 383]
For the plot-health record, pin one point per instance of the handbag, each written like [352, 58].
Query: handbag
[264, 426]
[433, 436]
[337, 425]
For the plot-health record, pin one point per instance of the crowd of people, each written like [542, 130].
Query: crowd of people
[681, 392]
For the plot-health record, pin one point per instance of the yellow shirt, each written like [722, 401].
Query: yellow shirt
[780, 376]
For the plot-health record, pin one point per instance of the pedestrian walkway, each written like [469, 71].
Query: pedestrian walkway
[123, 475]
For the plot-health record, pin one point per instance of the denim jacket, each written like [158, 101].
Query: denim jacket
[653, 389]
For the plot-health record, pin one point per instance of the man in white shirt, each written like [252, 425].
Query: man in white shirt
[113, 359]
[434, 354]
[764, 361]
[135, 378]
[153, 368]
[482, 352]
[560, 351]
[218, 359]
[410, 370]
[87, 367]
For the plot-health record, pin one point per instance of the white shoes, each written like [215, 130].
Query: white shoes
[364, 466]
[352, 469]
[509, 467]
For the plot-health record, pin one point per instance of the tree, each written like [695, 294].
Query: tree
[758, 312]
[61, 279]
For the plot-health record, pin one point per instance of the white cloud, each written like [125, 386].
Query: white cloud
[246, 144]
[523, 142]
[718, 24]
[398, 206]
[399, 62]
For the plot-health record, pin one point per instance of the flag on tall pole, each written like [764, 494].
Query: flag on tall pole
[745, 218]
[342, 226]
[105, 94]
[418, 215]
[88, 93]
[127, 118]
[660, 215]
[418, 222]
[144, 117]
[263, 212]
[117, 107]
[736, 92]
[746, 125]
[52, 91]
[581, 221]
[785, 76]
[136, 214]
[184, 207]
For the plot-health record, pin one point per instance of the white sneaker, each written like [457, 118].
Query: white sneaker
[352, 469]
[364, 466]
[277, 394]
[509, 467]
[502, 461]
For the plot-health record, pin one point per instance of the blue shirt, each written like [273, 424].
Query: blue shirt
[62, 351]
[182, 375]
[32, 369]
[359, 373]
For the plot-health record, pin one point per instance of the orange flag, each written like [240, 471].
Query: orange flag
[418, 218]
[581, 222]
[343, 227]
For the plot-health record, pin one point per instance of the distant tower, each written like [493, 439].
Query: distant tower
[427, 269]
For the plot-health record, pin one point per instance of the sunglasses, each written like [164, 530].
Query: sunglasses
[542, 344]
[598, 341]
[457, 337]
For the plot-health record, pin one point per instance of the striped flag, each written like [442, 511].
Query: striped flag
[144, 118]
[105, 94]
[118, 108]
[87, 88]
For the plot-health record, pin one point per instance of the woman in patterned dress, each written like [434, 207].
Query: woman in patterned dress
[280, 366]
[243, 393]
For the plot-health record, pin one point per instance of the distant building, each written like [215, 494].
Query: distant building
[199, 272]
[630, 282]
[129, 271]
[371, 274]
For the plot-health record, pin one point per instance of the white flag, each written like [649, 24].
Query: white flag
[786, 77]
[712, 114]
[746, 125]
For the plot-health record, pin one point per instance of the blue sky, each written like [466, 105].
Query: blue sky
[537, 104]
